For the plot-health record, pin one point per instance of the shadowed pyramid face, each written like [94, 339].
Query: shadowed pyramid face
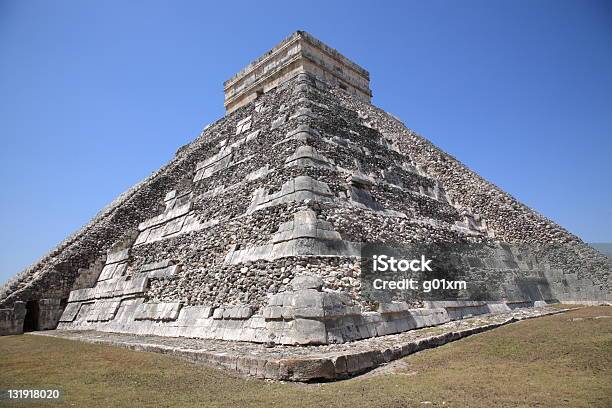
[259, 229]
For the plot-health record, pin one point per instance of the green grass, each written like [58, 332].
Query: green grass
[547, 362]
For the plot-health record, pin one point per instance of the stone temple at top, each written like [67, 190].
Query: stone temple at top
[300, 53]
[257, 231]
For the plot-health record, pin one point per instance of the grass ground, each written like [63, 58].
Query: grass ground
[556, 361]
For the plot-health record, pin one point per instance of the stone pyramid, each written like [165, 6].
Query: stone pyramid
[256, 230]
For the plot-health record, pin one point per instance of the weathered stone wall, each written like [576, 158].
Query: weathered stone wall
[510, 220]
[292, 183]
[11, 319]
[54, 275]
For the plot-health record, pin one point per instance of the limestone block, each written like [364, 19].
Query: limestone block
[122, 286]
[306, 331]
[103, 310]
[498, 307]
[131, 287]
[168, 215]
[309, 184]
[303, 133]
[11, 320]
[193, 315]
[252, 135]
[162, 273]
[49, 313]
[259, 173]
[142, 237]
[390, 308]
[278, 122]
[299, 189]
[272, 312]
[178, 211]
[107, 272]
[317, 313]
[155, 234]
[173, 226]
[337, 310]
[307, 369]
[79, 295]
[243, 125]
[218, 313]
[429, 317]
[281, 299]
[70, 312]
[305, 225]
[218, 162]
[118, 256]
[244, 312]
[306, 298]
[302, 113]
[305, 281]
[158, 311]
[360, 180]
[308, 156]
[170, 195]
[387, 327]
[339, 362]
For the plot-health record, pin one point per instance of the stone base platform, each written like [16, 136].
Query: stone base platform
[305, 364]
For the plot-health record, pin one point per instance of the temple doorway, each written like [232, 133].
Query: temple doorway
[30, 322]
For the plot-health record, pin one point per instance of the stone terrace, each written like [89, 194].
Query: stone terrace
[314, 363]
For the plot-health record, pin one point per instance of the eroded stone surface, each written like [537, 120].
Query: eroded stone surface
[314, 363]
[295, 183]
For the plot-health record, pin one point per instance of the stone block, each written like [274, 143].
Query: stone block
[307, 298]
[142, 237]
[307, 331]
[173, 226]
[391, 308]
[257, 174]
[309, 312]
[158, 311]
[238, 313]
[170, 195]
[11, 320]
[272, 312]
[117, 256]
[307, 369]
[304, 281]
[271, 370]
[278, 122]
[70, 312]
[107, 272]
[103, 310]
[218, 313]
[162, 273]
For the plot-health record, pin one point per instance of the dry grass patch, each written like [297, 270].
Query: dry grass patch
[561, 360]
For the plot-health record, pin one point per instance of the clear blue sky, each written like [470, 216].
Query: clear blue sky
[97, 95]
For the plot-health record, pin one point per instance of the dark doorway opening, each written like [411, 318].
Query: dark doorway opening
[30, 322]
